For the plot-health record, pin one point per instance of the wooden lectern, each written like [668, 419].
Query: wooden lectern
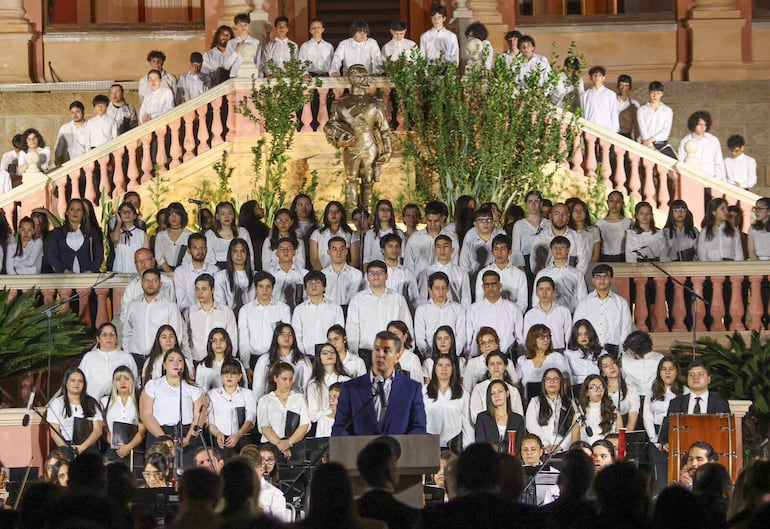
[420, 454]
[722, 431]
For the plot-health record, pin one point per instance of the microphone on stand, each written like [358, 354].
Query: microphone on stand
[582, 418]
[639, 253]
[197, 202]
[25, 420]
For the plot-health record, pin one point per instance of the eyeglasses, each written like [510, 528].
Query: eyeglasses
[596, 387]
[484, 221]
[759, 208]
[157, 474]
[552, 379]
[375, 273]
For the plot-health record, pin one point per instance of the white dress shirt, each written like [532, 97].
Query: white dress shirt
[629, 404]
[124, 115]
[143, 319]
[322, 236]
[369, 314]
[679, 243]
[393, 49]
[549, 433]
[184, 282]
[434, 41]
[191, 85]
[650, 245]
[522, 236]
[224, 292]
[318, 54]
[279, 51]
[209, 378]
[289, 284]
[317, 395]
[272, 501]
[99, 366]
[418, 251]
[372, 250]
[720, 247]
[503, 316]
[165, 406]
[570, 284]
[709, 154]
[350, 52]
[311, 321]
[166, 79]
[761, 240]
[613, 235]
[255, 327]
[535, 63]
[514, 283]
[741, 171]
[134, 292]
[448, 417]
[118, 412]
[611, 317]
[476, 252]
[101, 129]
[581, 364]
[410, 362]
[530, 374]
[600, 106]
[29, 262]
[343, 285]
[202, 321]
[270, 256]
[218, 247]
[156, 103]
[223, 409]
[654, 124]
[353, 364]
[71, 142]
[430, 316]
[558, 319]
[167, 251]
[654, 411]
[271, 412]
[459, 282]
[542, 242]
[476, 370]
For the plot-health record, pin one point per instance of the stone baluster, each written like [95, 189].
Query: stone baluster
[133, 166]
[717, 303]
[756, 309]
[74, 177]
[323, 108]
[49, 294]
[102, 315]
[679, 307]
[161, 157]
[189, 136]
[659, 311]
[634, 180]
[606, 169]
[736, 308]
[577, 156]
[306, 117]
[590, 163]
[117, 299]
[700, 308]
[217, 127]
[105, 186]
[663, 195]
[118, 176]
[203, 132]
[231, 135]
[61, 191]
[620, 170]
[176, 147]
[640, 304]
[146, 158]
[84, 313]
[648, 191]
[88, 175]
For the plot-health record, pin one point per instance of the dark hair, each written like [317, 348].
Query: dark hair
[160, 461]
[735, 141]
[639, 342]
[390, 337]
[502, 238]
[275, 235]
[695, 117]
[490, 405]
[312, 217]
[545, 412]
[331, 498]
[397, 25]
[625, 78]
[621, 490]
[218, 32]
[155, 350]
[709, 221]
[373, 461]
[276, 370]
[655, 86]
[442, 237]
[530, 344]
[389, 237]
[698, 363]
[463, 215]
[437, 276]
[156, 54]
[560, 239]
[314, 275]
[636, 226]
[218, 224]
[434, 352]
[711, 480]
[317, 378]
[262, 275]
[597, 69]
[26, 133]
[454, 382]
[19, 248]
[178, 208]
[100, 99]
[377, 222]
[577, 473]
[438, 10]
[477, 30]
[185, 375]
[763, 226]
[545, 279]
[436, 207]
[87, 402]
[359, 25]
[607, 408]
[689, 223]
[513, 34]
[343, 221]
[604, 443]
[526, 38]
[603, 268]
[232, 366]
[274, 476]
[273, 352]
[497, 353]
[579, 203]
[77, 104]
[404, 328]
[206, 278]
[377, 263]
[490, 273]
[209, 360]
[242, 17]
[199, 484]
[659, 388]
[239, 294]
[594, 346]
[622, 386]
[239, 482]
[478, 468]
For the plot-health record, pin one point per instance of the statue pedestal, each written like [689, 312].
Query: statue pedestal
[15, 35]
[715, 33]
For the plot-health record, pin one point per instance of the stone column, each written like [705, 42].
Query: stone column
[230, 8]
[715, 27]
[15, 35]
[261, 26]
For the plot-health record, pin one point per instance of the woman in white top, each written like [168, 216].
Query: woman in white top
[639, 363]
[208, 374]
[680, 232]
[284, 224]
[171, 243]
[613, 229]
[35, 142]
[384, 223]
[165, 340]
[74, 415]
[232, 411]
[447, 406]
[121, 415]
[582, 353]
[444, 343]
[644, 239]
[158, 100]
[352, 363]
[525, 229]
[539, 356]
[623, 397]
[335, 224]
[580, 221]
[497, 370]
[718, 240]
[280, 408]
[24, 254]
[550, 414]
[162, 398]
[601, 415]
[127, 238]
[307, 219]
[666, 387]
[476, 368]
[225, 230]
[98, 364]
[327, 370]
[234, 286]
[284, 349]
[759, 233]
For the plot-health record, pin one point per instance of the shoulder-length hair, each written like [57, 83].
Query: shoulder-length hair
[318, 369]
[218, 225]
[87, 402]
[490, 406]
[343, 221]
[535, 332]
[636, 226]
[594, 346]
[689, 221]
[273, 352]
[209, 360]
[709, 221]
[763, 225]
[607, 408]
[156, 352]
[122, 371]
[454, 382]
[434, 352]
[566, 414]
[659, 387]
[185, 370]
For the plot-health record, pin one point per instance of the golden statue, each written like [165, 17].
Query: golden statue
[359, 126]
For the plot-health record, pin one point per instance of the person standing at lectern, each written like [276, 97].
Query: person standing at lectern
[700, 400]
[381, 401]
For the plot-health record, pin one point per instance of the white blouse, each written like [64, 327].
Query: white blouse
[627, 405]
[29, 262]
[655, 411]
[223, 291]
[118, 412]
[549, 433]
[530, 373]
[271, 412]
[130, 241]
[322, 236]
[99, 366]
[317, 394]
[593, 418]
[209, 378]
[447, 417]
[302, 372]
[613, 235]
[761, 243]
[650, 245]
[720, 247]
[165, 405]
[372, 250]
[223, 409]
[219, 247]
[56, 412]
[167, 251]
[679, 243]
[478, 401]
[579, 367]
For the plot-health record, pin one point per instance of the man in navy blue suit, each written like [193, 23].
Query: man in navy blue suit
[382, 401]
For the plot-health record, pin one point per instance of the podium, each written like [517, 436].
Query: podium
[420, 454]
[722, 431]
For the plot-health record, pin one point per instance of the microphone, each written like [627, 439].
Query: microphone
[583, 420]
[638, 251]
[25, 420]
[197, 202]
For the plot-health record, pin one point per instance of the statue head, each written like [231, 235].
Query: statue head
[358, 76]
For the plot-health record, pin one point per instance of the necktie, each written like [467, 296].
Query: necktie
[381, 396]
[696, 409]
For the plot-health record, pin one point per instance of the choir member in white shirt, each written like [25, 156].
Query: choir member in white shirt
[354, 366]
[664, 389]
[526, 229]
[680, 232]
[72, 139]
[439, 311]
[532, 65]
[371, 309]
[193, 82]
[156, 59]
[358, 49]
[24, 254]
[284, 224]
[234, 286]
[542, 255]
[258, 319]
[327, 370]
[419, 250]
[408, 362]
[271, 499]
[655, 120]
[513, 280]
[718, 239]
[165, 340]
[644, 241]
[313, 317]
[570, 282]
[121, 413]
[439, 42]
[493, 311]
[206, 315]
[639, 363]
[306, 220]
[123, 113]
[444, 248]
[400, 278]
[187, 273]
[218, 60]
[601, 415]
[759, 233]
[280, 408]
[384, 223]
[335, 224]
[498, 368]
[582, 353]
[613, 229]
[101, 128]
[539, 356]
[171, 243]
[476, 250]
[143, 260]
[317, 51]
[740, 168]
[241, 25]
[550, 415]
[127, 238]
[219, 348]
[398, 45]
[288, 276]
[709, 151]
[623, 397]
[443, 343]
[608, 312]
[545, 311]
[225, 231]
[157, 101]
[589, 235]
[99, 364]
[283, 349]
[342, 280]
[145, 316]
[232, 411]
[447, 405]
[159, 405]
[599, 103]
[33, 141]
[326, 421]
[280, 50]
[478, 50]
[73, 407]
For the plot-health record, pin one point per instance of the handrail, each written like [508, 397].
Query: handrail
[58, 281]
[691, 268]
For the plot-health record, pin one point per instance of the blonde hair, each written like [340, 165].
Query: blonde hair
[122, 371]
